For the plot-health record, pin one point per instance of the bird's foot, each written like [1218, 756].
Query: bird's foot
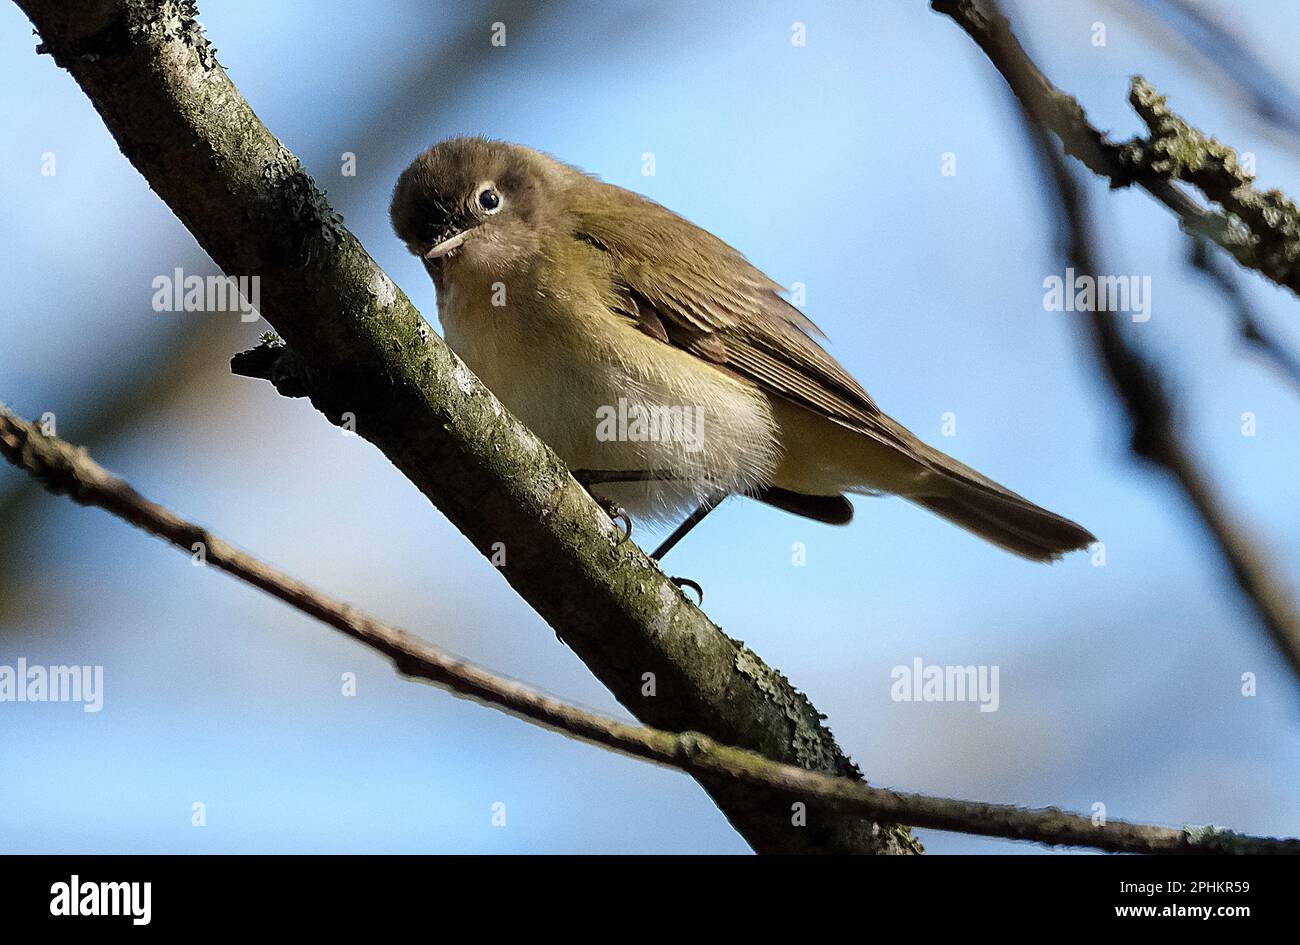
[617, 514]
[590, 477]
[684, 583]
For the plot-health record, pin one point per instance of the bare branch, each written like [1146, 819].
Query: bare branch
[1204, 258]
[1201, 39]
[67, 470]
[1137, 382]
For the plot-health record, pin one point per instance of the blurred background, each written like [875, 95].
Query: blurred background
[1121, 681]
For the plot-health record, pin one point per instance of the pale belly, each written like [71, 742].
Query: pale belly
[630, 403]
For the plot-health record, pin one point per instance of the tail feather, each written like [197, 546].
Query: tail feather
[990, 510]
[1009, 522]
[824, 458]
[831, 509]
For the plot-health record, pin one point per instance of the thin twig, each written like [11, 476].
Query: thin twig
[65, 469]
[1202, 39]
[1137, 382]
[1204, 258]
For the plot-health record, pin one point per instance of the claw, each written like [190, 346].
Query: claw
[684, 583]
[616, 514]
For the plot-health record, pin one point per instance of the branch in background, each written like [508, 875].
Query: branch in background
[1205, 259]
[155, 80]
[1185, 26]
[1260, 229]
[1179, 151]
[1137, 382]
[67, 470]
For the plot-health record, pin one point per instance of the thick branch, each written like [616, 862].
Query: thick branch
[1136, 381]
[66, 470]
[1260, 229]
[366, 351]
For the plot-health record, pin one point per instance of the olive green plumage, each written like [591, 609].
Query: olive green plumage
[609, 295]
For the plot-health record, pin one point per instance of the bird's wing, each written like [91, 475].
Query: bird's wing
[686, 287]
[681, 284]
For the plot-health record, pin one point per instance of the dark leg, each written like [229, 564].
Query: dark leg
[682, 530]
[593, 477]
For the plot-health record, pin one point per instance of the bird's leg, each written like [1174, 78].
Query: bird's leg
[682, 530]
[593, 477]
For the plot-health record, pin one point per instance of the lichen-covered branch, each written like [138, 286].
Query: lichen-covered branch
[1175, 150]
[365, 351]
[1261, 230]
[66, 470]
[1138, 383]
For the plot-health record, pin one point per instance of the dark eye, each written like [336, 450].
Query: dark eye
[489, 200]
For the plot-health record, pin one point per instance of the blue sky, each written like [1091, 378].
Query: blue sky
[1120, 684]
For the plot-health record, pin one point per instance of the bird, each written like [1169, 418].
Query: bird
[666, 370]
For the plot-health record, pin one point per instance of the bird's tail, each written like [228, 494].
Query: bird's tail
[980, 505]
[1015, 524]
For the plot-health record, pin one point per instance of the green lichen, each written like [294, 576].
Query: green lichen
[1261, 229]
[1176, 149]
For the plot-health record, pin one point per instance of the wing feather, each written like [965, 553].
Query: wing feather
[685, 286]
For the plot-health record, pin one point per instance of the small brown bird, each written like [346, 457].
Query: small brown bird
[662, 367]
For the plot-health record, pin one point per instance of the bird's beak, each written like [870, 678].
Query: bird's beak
[446, 246]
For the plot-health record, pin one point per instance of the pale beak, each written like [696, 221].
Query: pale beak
[446, 246]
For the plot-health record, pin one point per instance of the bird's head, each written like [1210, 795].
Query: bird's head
[474, 202]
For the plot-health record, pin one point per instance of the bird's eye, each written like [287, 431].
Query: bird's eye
[489, 200]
